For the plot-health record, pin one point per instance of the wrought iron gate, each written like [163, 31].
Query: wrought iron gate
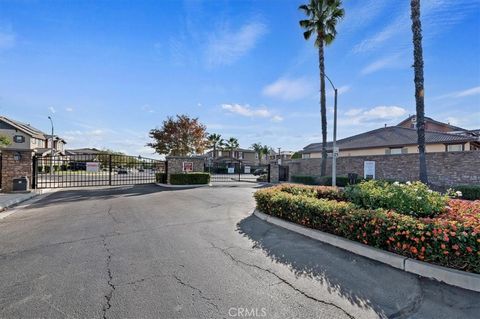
[237, 171]
[94, 170]
[283, 173]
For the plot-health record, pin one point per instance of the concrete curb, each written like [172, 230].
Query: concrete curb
[183, 186]
[449, 276]
[18, 200]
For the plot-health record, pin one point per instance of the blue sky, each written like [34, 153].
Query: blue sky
[108, 71]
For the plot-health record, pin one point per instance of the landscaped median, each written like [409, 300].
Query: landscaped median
[406, 219]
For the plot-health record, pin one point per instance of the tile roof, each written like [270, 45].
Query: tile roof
[24, 127]
[390, 137]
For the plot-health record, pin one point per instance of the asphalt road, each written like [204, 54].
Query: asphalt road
[148, 252]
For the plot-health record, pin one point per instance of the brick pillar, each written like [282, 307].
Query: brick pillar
[14, 168]
[274, 173]
[175, 164]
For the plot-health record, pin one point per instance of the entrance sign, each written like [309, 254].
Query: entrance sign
[231, 170]
[247, 169]
[187, 167]
[369, 169]
[93, 167]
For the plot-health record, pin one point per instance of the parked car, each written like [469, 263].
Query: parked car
[122, 171]
[260, 171]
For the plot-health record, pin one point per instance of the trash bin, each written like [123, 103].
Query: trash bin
[20, 184]
[352, 178]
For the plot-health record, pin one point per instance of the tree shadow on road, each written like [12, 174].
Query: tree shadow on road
[363, 282]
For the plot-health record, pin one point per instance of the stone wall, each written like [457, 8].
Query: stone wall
[444, 169]
[175, 164]
[12, 168]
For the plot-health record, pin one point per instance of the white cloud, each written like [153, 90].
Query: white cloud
[51, 109]
[458, 94]
[69, 109]
[382, 63]
[290, 89]
[469, 92]
[225, 46]
[378, 113]
[147, 108]
[247, 111]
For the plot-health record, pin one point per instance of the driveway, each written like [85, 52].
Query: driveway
[147, 252]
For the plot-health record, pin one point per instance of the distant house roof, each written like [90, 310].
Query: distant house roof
[83, 151]
[429, 119]
[24, 127]
[56, 137]
[391, 136]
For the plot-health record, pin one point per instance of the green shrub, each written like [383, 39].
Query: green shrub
[40, 169]
[470, 192]
[442, 241]
[319, 192]
[189, 178]
[342, 181]
[307, 180]
[161, 178]
[414, 199]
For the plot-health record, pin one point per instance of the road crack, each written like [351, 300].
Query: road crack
[282, 280]
[198, 290]
[108, 296]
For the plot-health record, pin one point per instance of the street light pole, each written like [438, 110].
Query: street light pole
[334, 155]
[51, 148]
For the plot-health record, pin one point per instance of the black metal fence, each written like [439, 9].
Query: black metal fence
[237, 172]
[94, 170]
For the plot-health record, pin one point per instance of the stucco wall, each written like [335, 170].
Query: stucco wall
[444, 168]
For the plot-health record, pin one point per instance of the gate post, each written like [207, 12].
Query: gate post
[273, 173]
[34, 171]
[16, 163]
[268, 173]
[110, 169]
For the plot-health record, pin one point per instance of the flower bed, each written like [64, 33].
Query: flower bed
[450, 239]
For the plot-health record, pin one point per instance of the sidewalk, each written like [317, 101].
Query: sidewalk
[9, 199]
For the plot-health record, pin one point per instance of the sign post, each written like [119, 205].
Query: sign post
[369, 169]
[93, 167]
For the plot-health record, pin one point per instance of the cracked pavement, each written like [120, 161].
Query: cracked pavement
[147, 252]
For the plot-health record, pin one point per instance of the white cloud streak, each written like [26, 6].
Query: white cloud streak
[247, 111]
[290, 89]
[226, 46]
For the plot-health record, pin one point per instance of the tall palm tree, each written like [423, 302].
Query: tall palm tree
[215, 141]
[419, 89]
[266, 150]
[231, 144]
[323, 16]
[258, 148]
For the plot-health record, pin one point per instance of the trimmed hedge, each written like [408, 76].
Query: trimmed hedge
[470, 192]
[189, 178]
[414, 199]
[307, 180]
[444, 240]
[161, 178]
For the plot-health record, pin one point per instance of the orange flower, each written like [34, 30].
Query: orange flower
[414, 250]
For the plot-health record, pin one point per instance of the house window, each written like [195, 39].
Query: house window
[455, 148]
[240, 155]
[219, 153]
[19, 139]
[395, 151]
[306, 155]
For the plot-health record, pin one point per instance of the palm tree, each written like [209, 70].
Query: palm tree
[215, 140]
[323, 16]
[231, 144]
[258, 148]
[266, 150]
[419, 91]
